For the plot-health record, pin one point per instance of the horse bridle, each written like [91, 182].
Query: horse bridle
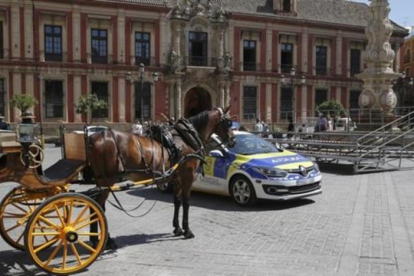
[224, 118]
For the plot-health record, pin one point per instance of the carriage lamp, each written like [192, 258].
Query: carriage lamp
[26, 133]
[140, 80]
[292, 82]
[26, 137]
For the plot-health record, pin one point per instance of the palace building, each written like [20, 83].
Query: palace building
[268, 59]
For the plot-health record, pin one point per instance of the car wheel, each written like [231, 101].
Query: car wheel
[242, 191]
[165, 187]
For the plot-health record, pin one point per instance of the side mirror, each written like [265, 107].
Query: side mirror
[216, 153]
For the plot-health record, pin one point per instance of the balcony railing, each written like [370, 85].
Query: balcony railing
[286, 68]
[53, 57]
[321, 70]
[250, 66]
[99, 59]
[144, 60]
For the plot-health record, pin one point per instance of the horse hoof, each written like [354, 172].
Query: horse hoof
[178, 232]
[188, 235]
[111, 245]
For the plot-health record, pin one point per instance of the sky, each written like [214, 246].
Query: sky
[402, 11]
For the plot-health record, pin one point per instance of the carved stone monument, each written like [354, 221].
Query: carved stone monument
[378, 93]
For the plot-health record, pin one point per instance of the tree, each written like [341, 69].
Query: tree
[89, 104]
[331, 108]
[23, 102]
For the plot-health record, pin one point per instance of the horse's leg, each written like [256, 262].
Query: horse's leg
[110, 244]
[187, 178]
[186, 207]
[177, 203]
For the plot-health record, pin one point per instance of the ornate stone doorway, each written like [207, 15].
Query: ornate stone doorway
[196, 100]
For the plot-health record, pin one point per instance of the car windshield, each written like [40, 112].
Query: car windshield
[247, 144]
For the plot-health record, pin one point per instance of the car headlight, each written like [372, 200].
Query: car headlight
[271, 172]
[316, 166]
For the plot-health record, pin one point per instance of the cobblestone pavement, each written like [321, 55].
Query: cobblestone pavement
[360, 225]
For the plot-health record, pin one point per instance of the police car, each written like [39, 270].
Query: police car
[256, 169]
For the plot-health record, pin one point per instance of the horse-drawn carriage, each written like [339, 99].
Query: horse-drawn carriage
[65, 231]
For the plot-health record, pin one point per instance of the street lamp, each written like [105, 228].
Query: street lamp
[141, 80]
[401, 85]
[292, 82]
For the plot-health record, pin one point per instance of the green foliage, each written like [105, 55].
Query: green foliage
[90, 103]
[331, 108]
[23, 102]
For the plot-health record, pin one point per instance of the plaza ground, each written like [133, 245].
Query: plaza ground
[360, 225]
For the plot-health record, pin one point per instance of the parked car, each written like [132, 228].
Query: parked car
[92, 129]
[256, 169]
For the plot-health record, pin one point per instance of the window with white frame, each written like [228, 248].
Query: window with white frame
[100, 89]
[99, 45]
[249, 102]
[321, 60]
[249, 55]
[53, 43]
[286, 55]
[142, 48]
[54, 98]
[198, 48]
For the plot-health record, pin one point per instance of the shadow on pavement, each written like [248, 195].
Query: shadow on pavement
[221, 203]
[137, 239]
[334, 168]
[13, 262]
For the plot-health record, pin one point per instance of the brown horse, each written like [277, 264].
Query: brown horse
[113, 153]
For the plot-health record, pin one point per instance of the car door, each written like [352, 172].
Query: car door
[215, 170]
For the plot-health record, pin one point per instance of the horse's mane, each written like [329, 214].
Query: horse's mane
[200, 120]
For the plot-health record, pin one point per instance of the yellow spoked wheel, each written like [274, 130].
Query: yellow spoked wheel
[58, 233]
[15, 210]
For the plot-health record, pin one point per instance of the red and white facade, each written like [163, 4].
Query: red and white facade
[25, 68]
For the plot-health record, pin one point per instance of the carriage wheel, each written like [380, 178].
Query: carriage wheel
[15, 210]
[58, 233]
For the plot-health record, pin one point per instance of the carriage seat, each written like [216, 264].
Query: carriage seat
[63, 169]
[8, 142]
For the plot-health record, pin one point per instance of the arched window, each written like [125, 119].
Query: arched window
[286, 6]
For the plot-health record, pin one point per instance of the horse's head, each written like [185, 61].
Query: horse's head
[224, 130]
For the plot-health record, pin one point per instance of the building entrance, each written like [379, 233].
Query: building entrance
[196, 101]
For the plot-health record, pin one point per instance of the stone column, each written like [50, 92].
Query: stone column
[378, 93]
[28, 31]
[76, 34]
[171, 92]
[222, 95]
[164, 42]
[304, 50]
[121, 39]
[177, 38]
[268, 102]
[178, 105]
[15, 28]
[221, 41]
[304, 103]
[77, 88]
[121, 100]
[227, 97]
[269, 49]
[339, 53]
